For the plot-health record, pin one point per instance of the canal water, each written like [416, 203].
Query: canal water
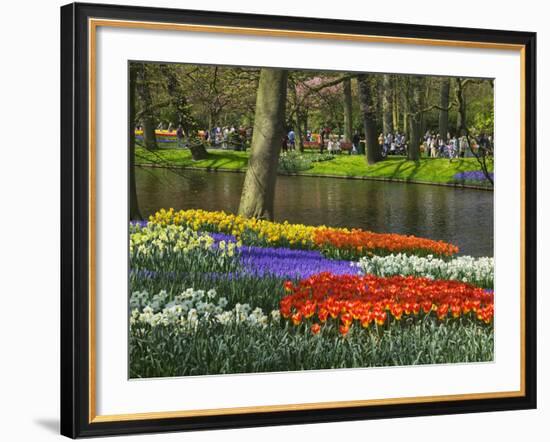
[463, 217]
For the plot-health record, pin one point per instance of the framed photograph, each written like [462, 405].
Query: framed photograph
[274, 220]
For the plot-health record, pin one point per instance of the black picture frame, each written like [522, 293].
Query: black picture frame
[75, 220]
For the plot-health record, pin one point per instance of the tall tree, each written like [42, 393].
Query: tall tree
[395, 103]
[444, 106]
[299, 131]
[424, 99]
[176, 107]
[258, 194]
[297, 113]
[461, 102]
[415, 99]
[134, 206]
[147, 115]
[367, 91]
[348, 116]
[387, 116]
[403, 83]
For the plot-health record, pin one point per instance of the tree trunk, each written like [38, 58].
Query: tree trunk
[387, 116]
[347, 110]
[299, 139]
[461, 114]
[406, 108]
[135, 214]
[395, 105]
[444, 105]
[367, 89]
[149, 137]
[415, 117]
[258, 192]
[424, 98]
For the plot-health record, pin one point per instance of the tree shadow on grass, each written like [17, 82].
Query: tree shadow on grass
[415, 170]
[215, 162]
[389, 170]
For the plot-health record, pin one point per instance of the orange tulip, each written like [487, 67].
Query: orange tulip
[344, 329]
[315, 329]
[297, 318]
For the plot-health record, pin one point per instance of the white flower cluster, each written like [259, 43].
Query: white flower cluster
[479, 271]
[190, 308]
[156, 238]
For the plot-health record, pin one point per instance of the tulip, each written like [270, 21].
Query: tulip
[296, 318]
[344, 329]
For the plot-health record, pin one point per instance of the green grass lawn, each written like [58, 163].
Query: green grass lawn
[427, 169]
[218, 159]
[436, 170]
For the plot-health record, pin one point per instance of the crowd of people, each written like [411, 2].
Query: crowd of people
[224, 137]
[393, 144]
[449, 146]
[325, 139]
[433, 144]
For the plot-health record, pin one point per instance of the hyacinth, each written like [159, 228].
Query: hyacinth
[473, 175]
[283, 262]
[288, 263]
[478, 271]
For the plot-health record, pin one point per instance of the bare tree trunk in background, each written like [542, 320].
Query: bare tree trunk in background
[367, 89]
[395, 104]
[424, 98]
[298, 131]
[347, 111]
[387, 117]
[444, 105]
[134, 206]
[258, 192]
[415, 116]
[461, 114]
[406, 81]
[149, 137]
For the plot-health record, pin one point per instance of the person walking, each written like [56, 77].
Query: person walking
[284, 144]
[463, 146]
[292, 139]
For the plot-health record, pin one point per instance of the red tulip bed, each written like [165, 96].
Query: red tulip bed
[346, 300]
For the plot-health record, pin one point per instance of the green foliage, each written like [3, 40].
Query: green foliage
[483, 122]
[293, 161]
[242, 348]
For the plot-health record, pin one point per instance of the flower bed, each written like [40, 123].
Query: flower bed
[367, 299]
[476, 177]
[254, 309]
[338, 243]
[477, 271]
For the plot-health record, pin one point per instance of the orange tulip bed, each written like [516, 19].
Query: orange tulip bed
[362, 300]
[342, 244]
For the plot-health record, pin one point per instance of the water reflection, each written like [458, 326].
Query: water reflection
[461, 216]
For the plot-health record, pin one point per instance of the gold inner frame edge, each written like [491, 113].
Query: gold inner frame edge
[92, 27]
